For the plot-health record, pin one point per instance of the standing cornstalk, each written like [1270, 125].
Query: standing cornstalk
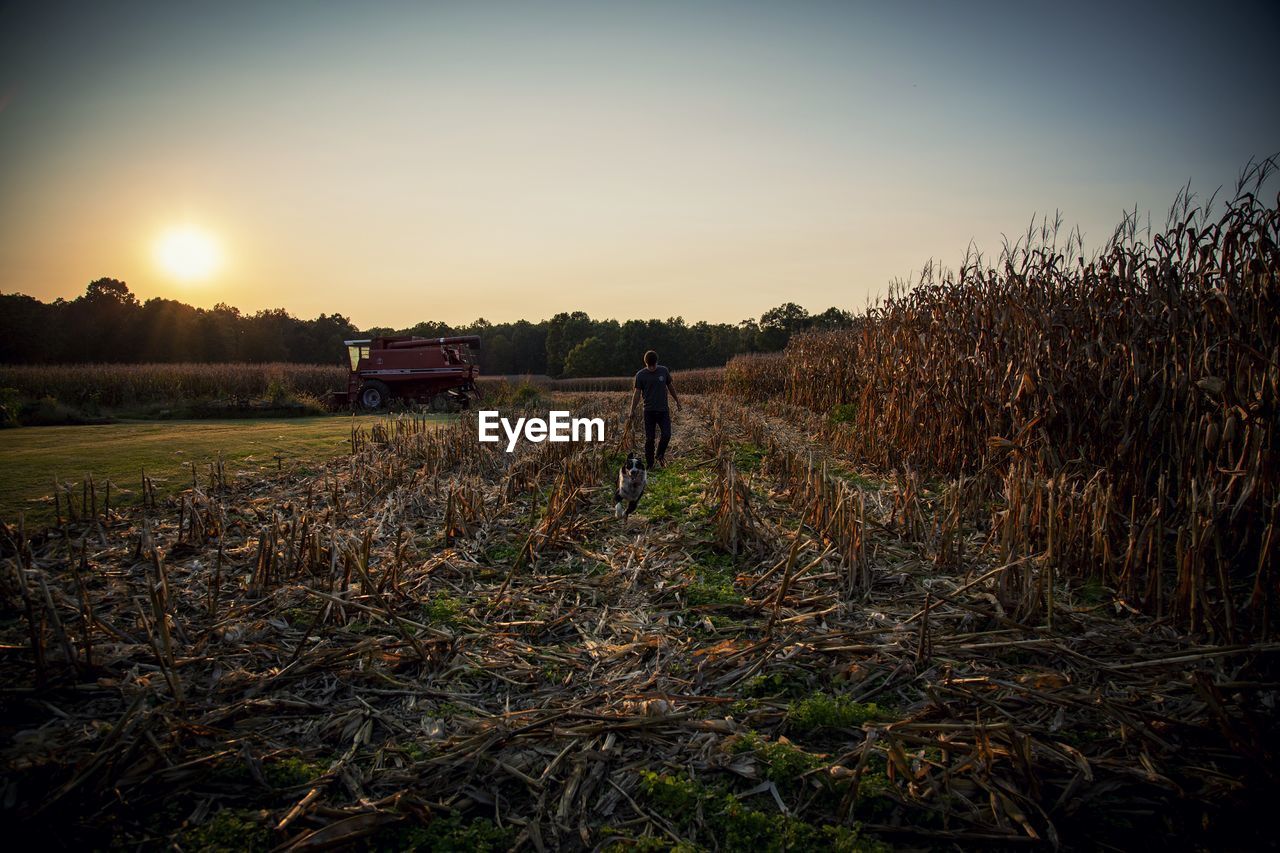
[1119, 413]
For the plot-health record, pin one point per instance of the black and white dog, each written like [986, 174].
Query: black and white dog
[631, 482]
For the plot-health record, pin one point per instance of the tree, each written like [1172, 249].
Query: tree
[266, 336]
[425, 329]
[25, 326]
[110, 291]
[587, 358]
[218, 335]
[564, 332]
[164, 331]
[96, 326]
[833, 318]
[107, 323]
[630, 346]
[529, 347]
[496, 355]
[777, 325]
[321, 340]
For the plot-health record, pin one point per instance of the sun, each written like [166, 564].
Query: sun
[188, 253]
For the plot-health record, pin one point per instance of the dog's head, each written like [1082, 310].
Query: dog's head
[633, 469]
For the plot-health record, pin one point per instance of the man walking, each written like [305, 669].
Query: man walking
[653, 382]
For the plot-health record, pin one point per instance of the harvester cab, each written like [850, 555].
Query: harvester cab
[438, 371]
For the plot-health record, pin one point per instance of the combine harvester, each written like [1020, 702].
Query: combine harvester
[436, 371]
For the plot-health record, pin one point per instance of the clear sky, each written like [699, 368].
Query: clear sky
[444, 161]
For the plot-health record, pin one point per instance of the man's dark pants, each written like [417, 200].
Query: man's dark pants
[652, 422]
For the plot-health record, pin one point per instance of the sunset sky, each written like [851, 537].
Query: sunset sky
[444, 161]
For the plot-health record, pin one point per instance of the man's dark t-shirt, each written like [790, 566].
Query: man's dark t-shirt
[653, 387]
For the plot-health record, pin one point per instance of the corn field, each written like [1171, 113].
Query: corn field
[1120, 413]
[702, 380]
[756, 377]
[110, 386]
[113, 385]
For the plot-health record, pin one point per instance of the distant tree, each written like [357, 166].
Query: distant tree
[630, 346]
[670, 340]
[328, 331]
[26, 329]
[427, 330]
[832, 318]
[164, 330]
[497, 355]
[267, 336]
[608, 333]
[218, 335]
[564, 332]
[588, 358]
[528, 347]
[97, 325]
[777, 325]
[110, 291]
[107, 323]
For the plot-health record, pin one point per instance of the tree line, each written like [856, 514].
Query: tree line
[109, 324]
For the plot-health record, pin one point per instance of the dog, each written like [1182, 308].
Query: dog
[631, 482]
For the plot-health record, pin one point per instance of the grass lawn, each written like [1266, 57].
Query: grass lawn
[31, 457]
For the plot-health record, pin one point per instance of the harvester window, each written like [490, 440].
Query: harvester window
[356, 354]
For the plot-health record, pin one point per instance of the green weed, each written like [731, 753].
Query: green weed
[229, 831]
[784, 763]
[713, 582]
[715, 817]
[442, 610]
[676, 492]
[824, 711]
[843, 413]
[748, 457]
[292, 772]
[444, 835]
[776, 684]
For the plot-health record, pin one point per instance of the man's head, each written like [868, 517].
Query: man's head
[651, 359]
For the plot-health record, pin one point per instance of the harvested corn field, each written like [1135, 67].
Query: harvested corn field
[432, 644]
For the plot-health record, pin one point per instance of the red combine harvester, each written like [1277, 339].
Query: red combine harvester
[439, 371]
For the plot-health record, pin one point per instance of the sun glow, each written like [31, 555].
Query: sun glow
[188, 253]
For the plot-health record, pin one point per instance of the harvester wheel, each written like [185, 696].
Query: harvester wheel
[374, 395]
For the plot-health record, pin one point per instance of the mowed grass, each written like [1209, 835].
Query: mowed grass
[32, 457]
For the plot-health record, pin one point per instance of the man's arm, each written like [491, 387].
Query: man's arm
[671, 389]
[635, 398]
